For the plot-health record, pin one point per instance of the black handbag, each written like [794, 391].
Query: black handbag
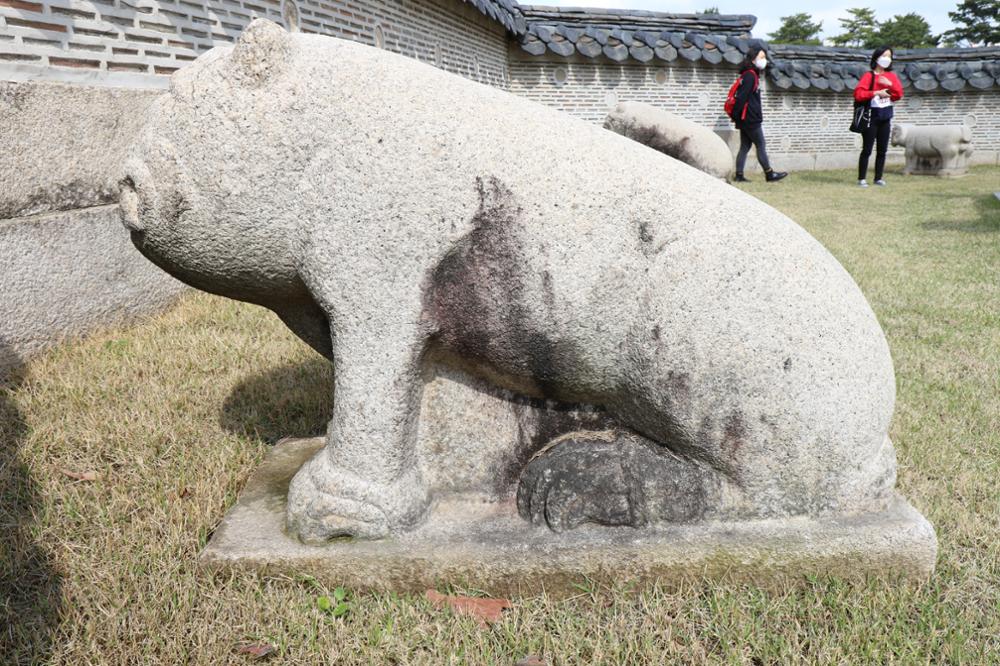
[862, 119]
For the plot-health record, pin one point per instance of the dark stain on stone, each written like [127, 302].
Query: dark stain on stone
[679, 149]
[656, 332]
[645, 235]
[678, 386]
[548, 293]
[15, 94]
[477, 301]
[788, 364]
[465, 298]
[59, 197]
[538, 423]
[647, 240]
[720, 451]
[734, 434]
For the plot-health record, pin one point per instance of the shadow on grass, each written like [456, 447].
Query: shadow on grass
[30, 598]
[987, 214]
[293, 400]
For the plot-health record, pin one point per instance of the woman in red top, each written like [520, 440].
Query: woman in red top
[881, 87]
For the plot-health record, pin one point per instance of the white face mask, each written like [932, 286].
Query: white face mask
[884, 62]
[760, 63]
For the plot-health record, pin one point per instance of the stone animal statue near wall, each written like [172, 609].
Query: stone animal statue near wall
[682, 351]
[672, 135]
[936, 150]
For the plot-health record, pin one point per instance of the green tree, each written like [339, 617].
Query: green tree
[905, 31]
[978, 23]
[709, 10]
[859, 29]
[797, 29]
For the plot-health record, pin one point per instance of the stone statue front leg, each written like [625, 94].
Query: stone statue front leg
[366, 481]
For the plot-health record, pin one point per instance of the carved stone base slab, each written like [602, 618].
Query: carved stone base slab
[488, 547]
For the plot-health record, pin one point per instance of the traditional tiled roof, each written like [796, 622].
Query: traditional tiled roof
[621, 34]
[506, 12]
[825, 67]
[637, 19]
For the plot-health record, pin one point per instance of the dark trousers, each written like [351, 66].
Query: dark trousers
[877, 135]
[752, 135]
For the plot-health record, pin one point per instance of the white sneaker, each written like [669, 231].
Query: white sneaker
[862, 183]
[880, 182]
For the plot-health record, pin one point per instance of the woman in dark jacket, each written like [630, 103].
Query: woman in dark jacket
[749, 117]
[880, 88]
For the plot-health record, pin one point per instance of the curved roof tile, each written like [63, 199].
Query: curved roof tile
[507, 12]
[666, 52]
[588, 46]
[641, 52]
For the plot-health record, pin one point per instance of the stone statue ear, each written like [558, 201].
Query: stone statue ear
[261, 53]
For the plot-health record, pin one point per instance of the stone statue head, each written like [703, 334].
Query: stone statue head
[210, 219]
[898, 136]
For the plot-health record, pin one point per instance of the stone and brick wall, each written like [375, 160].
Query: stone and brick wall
[445, 33]
[805, 129]
[138, 43]
[587, 89]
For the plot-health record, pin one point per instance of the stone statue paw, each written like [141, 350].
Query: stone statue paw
[575, 482]
[612, 479]
[325, 502]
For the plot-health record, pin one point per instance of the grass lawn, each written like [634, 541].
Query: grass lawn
[172, 415]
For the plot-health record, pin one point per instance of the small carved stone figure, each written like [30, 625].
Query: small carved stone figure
[678, 350]
[672, 135]
[935, 150]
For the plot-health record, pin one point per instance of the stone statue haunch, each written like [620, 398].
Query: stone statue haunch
[394, 215]
[672, 135]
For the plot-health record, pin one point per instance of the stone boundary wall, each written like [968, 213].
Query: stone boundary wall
[63, 145]
[139, 43]
[68, 273]
[804, 129]
[67, 264]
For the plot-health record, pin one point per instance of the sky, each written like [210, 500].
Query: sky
[769, 13]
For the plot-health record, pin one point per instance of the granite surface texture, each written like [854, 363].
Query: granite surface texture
[664, 349]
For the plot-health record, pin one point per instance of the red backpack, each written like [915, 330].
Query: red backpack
[731, 97]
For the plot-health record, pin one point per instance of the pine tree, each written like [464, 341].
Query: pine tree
[797, 29]
[905, 31]
[978, 23]
[859, 30]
